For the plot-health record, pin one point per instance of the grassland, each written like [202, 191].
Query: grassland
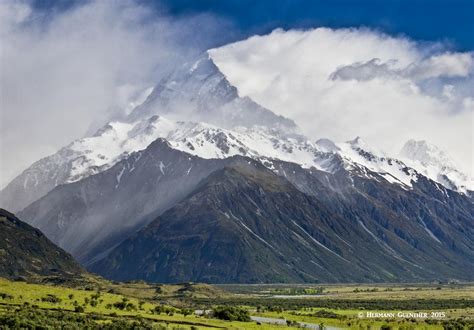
[107, 305]
[448, 306]
[95, 303]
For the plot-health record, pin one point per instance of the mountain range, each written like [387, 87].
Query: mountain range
[201, 184]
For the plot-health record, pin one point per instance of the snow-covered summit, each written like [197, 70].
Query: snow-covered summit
[426, 153]
[199, 92]
[435, 164]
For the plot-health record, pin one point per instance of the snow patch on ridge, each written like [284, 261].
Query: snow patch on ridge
[356, 153]
[117, 140]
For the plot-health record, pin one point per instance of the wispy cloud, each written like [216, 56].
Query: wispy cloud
[341, 83]
[65, 72]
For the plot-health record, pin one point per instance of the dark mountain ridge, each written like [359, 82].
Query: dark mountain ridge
[89, 217]
[245, 224]
[26, 252]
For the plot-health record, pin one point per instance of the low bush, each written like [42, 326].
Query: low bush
[231, 313]
[79, 309]
[5, 295]
[51, 298]
[326, 314]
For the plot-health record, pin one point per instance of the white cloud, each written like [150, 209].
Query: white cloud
[65, 72]
[356, 82]
[443, 65]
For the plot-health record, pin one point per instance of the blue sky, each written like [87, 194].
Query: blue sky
[450, 21]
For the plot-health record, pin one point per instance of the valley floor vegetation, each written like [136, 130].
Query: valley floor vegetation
[94, 303]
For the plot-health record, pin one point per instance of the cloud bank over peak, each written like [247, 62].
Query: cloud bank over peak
[342, 83]
[64, 72]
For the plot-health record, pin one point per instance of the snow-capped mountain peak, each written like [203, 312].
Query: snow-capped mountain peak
[436, 164]
[426, 153]
[198, 91]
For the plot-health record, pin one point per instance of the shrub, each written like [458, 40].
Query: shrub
[163, 309]
[158, 309]
[326, 314]
[5, 295]
[124, 304]
[51, 298]
[96, 296]
[130, 307]
[231, 313]
[120, 305]
[292, 323]
[79, 309]
[277, 309]
[186, 311]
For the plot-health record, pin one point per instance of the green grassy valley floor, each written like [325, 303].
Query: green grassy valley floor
[92, 302]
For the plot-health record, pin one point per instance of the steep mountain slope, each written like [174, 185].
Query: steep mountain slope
[36, 181]
[25, 251]
[246, 224]
[438, 214]
[228, 230]
[89, 216]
